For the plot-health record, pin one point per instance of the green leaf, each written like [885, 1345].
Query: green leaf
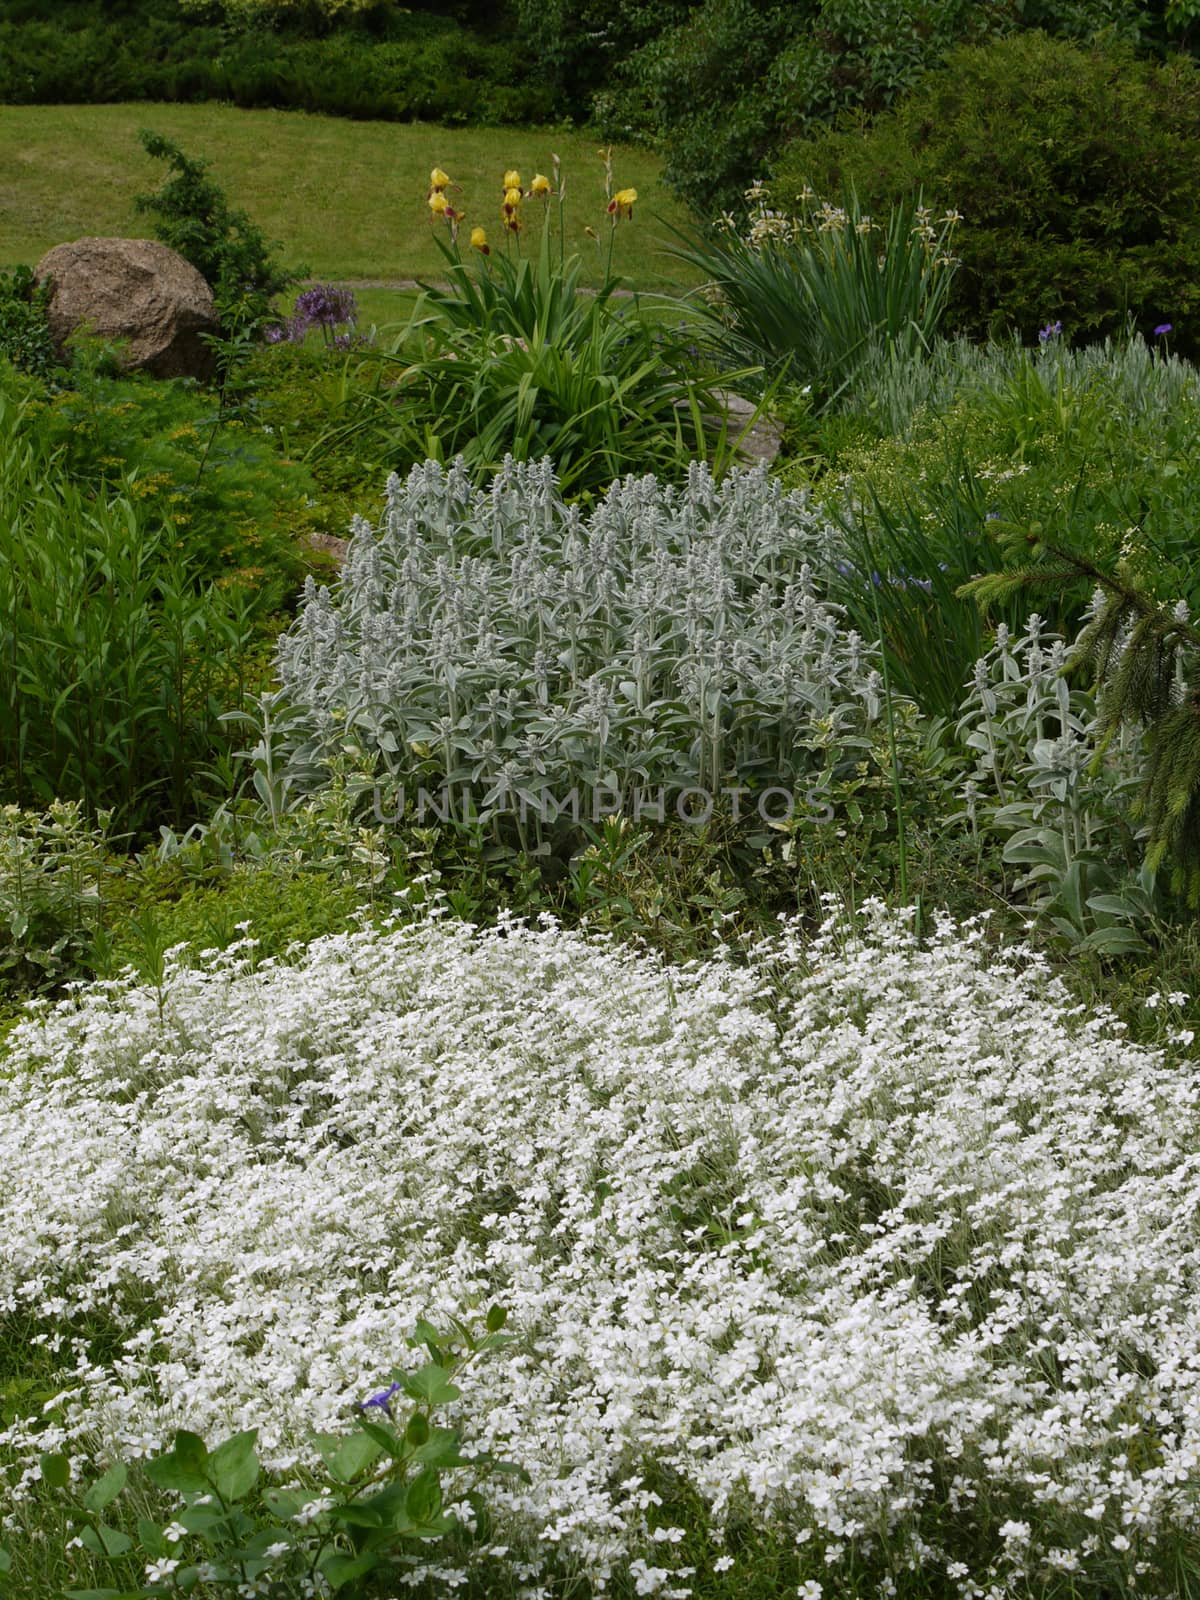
[105, 1541]
[440, 1449]
[233, 1466]
[95, 1594]
[424, 1333]
[423, 1499]
[151, 1536]
[106, 1488]
[497, 1315]
[356, 1453]
[56, 1471]
[366, 1515]
[284, 1503]
[431, 1384]
[338, 1569]
[1114, 941]
[417, 1431]
[183, 1468]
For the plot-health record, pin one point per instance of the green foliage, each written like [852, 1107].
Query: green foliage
[721, 87]
[997, 453]
[512, 359]
[1145, 657]
[119, 656]
[1074, 166]
[812, 297]
[24, 330]
[1057, 795]
[392, 63]
[192, 215]
[52, 866]
[374, 1508]
[212, 479]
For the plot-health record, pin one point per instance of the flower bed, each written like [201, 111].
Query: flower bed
[887, 1247]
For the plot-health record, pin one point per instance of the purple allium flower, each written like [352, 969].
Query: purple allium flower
[1050, 331]
[383, 1400]
[1163, 327]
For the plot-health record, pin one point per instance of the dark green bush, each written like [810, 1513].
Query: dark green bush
[391, 64]
[721, 87]
[1076, 171]
[24, 331]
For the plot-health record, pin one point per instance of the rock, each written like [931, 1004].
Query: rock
[764, 438]
[136, 290]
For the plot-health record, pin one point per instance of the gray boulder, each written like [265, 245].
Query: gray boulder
[136, 290]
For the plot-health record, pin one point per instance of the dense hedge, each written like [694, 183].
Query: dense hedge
[390, 64]
[1075, 169]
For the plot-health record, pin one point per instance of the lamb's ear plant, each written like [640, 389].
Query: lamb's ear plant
[375, 1504]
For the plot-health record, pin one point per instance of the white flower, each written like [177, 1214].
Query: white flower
[174, 1532]
[156, 1571]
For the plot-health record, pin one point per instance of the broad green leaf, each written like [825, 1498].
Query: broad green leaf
[150, 1534]
[498, 1315]
[431, 1384]
[440, 1449]
[56, 1471]
[106, 1488]
[417, 1431]
[182, 1469]
[233, 1466]
[105, 1541]
[285, 1503]
[423, 1500]
[338, 1569]
[357, 1452]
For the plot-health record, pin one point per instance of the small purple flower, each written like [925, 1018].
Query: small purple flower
[1163, 327]
[1050, 331]
[381, 1401]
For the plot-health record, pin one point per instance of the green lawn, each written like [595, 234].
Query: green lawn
[347, 199]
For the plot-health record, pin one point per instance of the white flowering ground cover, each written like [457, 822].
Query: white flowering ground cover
[885, 1247]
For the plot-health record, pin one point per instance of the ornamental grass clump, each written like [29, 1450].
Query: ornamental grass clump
[505, 643]
[817, 294]
[878, 1252]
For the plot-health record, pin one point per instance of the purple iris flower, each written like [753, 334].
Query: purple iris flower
[1050, 331]
[1163, 327]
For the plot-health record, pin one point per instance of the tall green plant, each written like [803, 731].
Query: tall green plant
[513, 358]
[116, 663]
[814, 295]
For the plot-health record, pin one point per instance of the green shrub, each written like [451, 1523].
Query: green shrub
[721, 87]
[193, 215]
[390, 64]
[24, 330]
[1075, 169]
[52, 866]
[216, 483]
